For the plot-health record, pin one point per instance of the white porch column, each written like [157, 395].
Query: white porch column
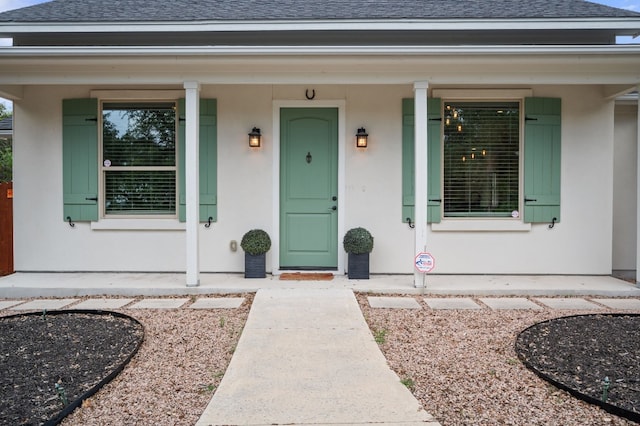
[638, 192]
[420, 157]
[192, 184]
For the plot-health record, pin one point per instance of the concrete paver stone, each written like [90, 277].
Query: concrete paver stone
[159, 304]
[103, 303]
[622, 304]
[44, 304]
[4, 304]
[393, 302]
[499, 303]
[568, 303]
[217, 303]
[452, 303]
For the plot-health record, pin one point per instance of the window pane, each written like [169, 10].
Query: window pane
[140, 192]
[139, 135]
[139, 158]
[481, 158]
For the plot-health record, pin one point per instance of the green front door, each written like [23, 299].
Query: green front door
[309, 188]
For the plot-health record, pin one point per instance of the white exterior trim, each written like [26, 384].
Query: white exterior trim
[482, 94]
[481, 225]
[277, 105]
[138, 225]
[420, 89]
[192, 180]
[638, 193]
[137, 95]
[629, 25]
[466, 50]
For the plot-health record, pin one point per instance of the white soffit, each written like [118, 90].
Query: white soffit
[628, 26]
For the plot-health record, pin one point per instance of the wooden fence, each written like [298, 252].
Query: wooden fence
[6, 228]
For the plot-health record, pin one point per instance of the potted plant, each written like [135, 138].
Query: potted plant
[255, 243]
[358, 242]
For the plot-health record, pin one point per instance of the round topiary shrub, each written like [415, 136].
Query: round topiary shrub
[358, 241]
[256, 242]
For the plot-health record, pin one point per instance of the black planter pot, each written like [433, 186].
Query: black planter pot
[358, 266]
[254, 266]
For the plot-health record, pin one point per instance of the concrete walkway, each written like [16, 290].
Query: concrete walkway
[307, 357]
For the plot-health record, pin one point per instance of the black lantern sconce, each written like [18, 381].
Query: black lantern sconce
[255, 138]
[361, 138]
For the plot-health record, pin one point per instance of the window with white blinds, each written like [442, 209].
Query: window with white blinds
[139, 158]
[481, 159]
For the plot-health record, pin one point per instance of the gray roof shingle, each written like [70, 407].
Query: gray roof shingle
[70, 11]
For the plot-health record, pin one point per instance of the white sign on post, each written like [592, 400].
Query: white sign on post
[425, 262]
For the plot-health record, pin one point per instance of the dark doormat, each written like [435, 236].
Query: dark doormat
[300, 276]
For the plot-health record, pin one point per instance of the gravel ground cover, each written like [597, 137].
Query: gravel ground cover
[50, 361]
[463, 367]
[172, 377]
[597, 357]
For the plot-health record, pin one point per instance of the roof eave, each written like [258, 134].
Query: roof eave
[177, 51]
[621, 26]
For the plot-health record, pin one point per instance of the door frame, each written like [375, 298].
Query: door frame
[275, 246]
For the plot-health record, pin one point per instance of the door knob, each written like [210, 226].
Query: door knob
[333, 208]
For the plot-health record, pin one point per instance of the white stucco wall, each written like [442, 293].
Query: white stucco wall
[580, 244]
[624, 189]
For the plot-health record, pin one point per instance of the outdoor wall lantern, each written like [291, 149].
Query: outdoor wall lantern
[255, 138]
[361, 138]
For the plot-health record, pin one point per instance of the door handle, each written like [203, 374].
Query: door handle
[334, 208]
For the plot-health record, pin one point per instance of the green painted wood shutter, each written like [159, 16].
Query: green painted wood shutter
[434, 131]
[80, 159]
[542, 147]
[208, 157]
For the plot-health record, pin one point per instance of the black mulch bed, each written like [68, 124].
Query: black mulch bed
[595, 357]
[51, 361]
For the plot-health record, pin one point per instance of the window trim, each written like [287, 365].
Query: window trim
[103, 215]
[137, 224]
[470, 223]
[81, 174]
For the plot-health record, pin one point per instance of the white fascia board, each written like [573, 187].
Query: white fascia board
[182, 51]
[623, 25]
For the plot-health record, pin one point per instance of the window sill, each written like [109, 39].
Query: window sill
[470, 225]
[138, 225]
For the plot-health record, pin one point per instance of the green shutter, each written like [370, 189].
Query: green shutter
[80, 159]
[408, 164]
[434, 165]
[208, 157]
[542, 148]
